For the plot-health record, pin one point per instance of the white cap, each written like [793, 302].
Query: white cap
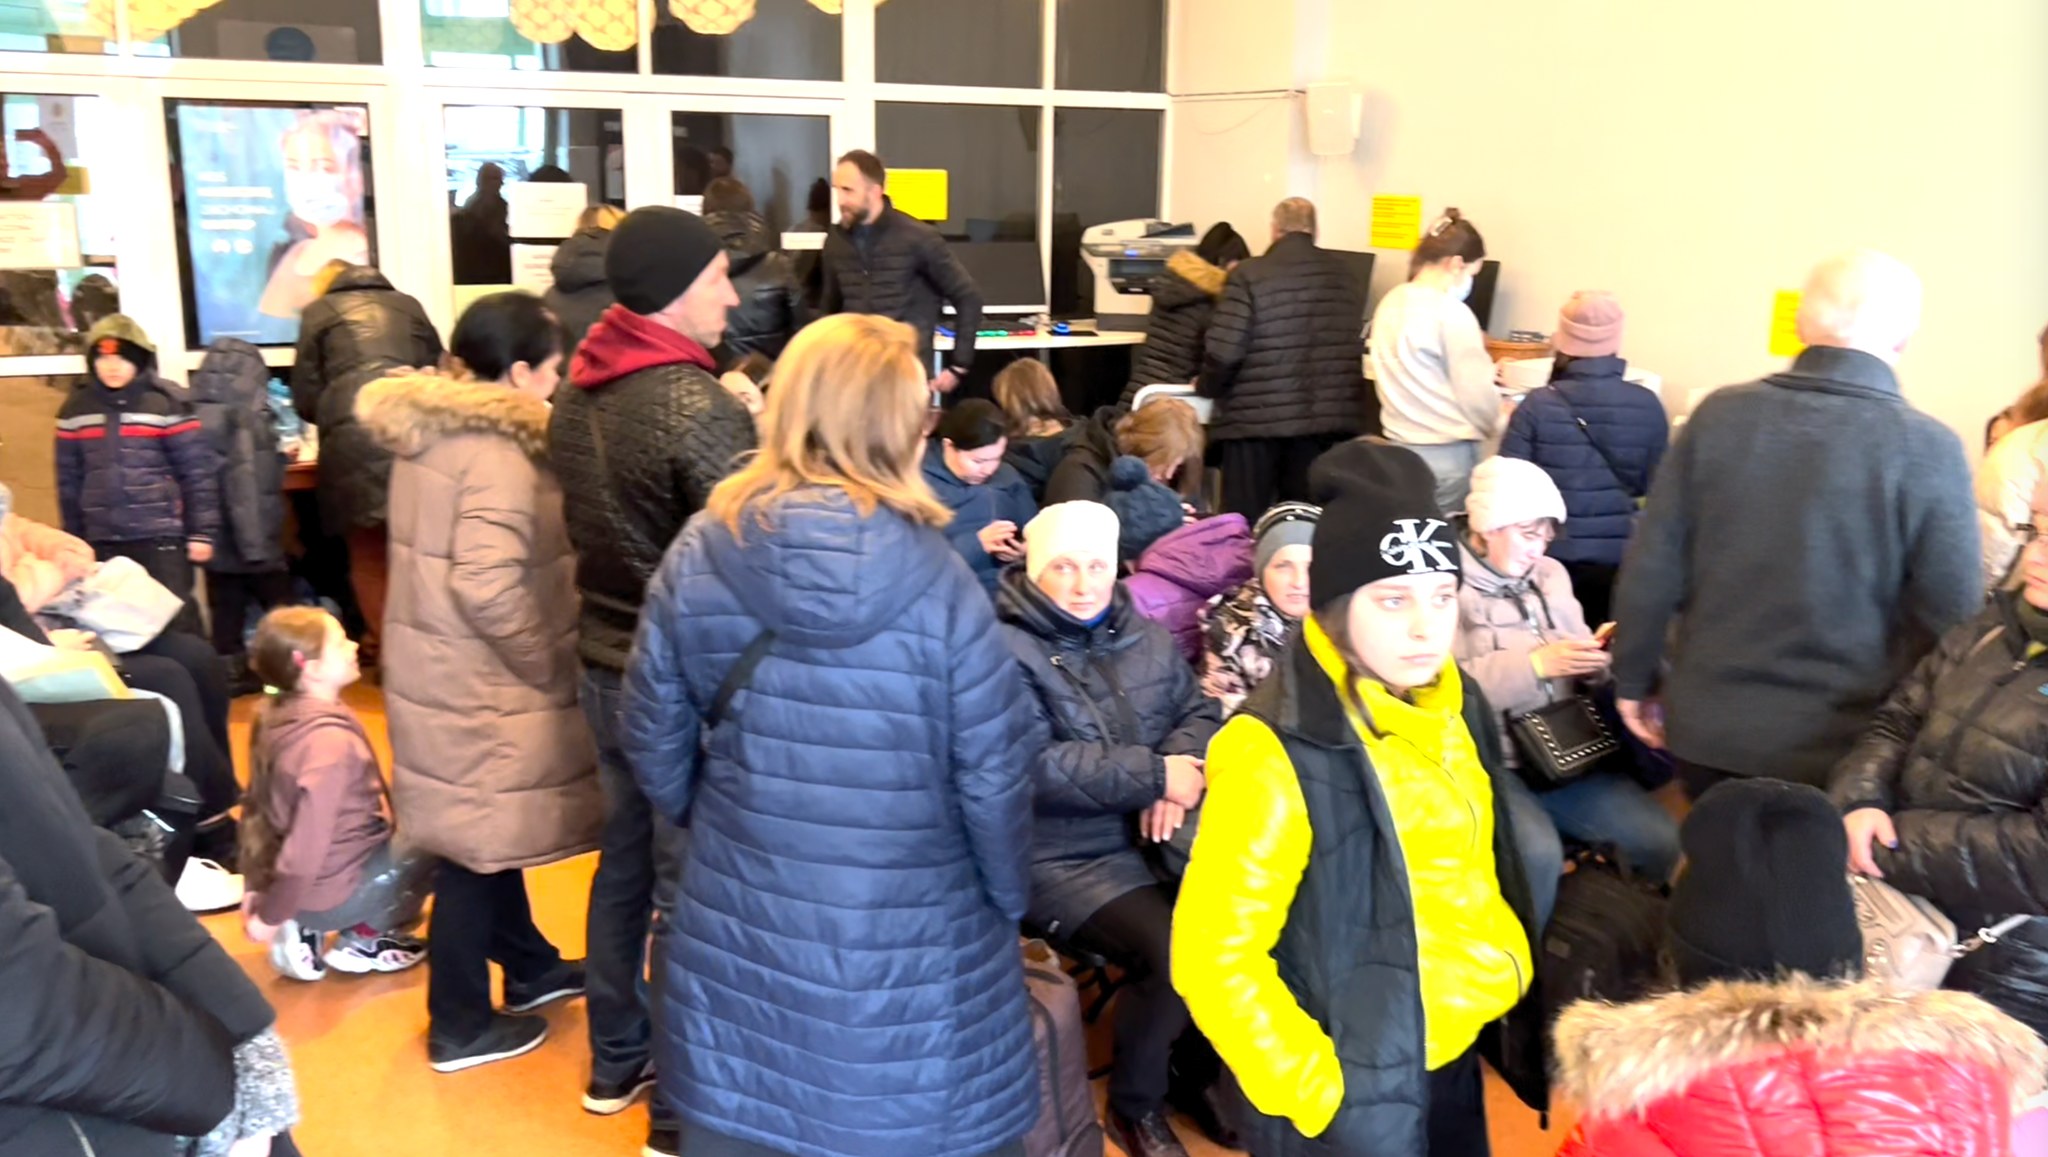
[1081, 530]
[1509, 492]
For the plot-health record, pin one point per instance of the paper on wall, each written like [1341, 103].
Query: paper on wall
[1785, 341]
[545, 210]
[39, 235]
[1396, 222]
[533, 268]
[920, 192]
[692, 203]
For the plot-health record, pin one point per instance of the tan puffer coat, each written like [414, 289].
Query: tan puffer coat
[493, 765]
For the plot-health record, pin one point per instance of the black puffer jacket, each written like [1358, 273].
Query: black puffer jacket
[1119, 699]
[122, 1012]
[1959, 757]
[771, 307]
[1183, 298]
[1035, 459]
[1283, 354]
[231, 391]
[580, 294]
[638, 441]
[901, 267]
[1083, 474]
[360, 331]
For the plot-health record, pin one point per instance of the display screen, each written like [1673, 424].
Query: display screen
[266, 195]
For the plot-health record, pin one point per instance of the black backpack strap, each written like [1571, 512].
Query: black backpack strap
[741, 674]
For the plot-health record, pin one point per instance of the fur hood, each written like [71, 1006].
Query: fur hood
[1616, 1060]
[1197, 272]
[407, 413]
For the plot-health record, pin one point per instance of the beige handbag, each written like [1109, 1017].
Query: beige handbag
[1907, 940]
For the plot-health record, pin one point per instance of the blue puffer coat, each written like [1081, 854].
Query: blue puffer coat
[1004, 497]
[1621, 418]
[843, 975]
[133, 465]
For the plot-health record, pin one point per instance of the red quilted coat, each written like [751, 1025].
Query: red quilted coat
[1798, 1069]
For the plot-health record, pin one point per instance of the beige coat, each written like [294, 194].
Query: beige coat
[493, 764]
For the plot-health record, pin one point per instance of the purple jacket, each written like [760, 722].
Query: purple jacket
[1187, 568]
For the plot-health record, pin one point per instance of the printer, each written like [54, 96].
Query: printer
[1125, 256]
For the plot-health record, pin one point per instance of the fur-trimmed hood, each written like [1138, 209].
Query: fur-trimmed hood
[407, 413]
[1617, 1060]
[1190, 268]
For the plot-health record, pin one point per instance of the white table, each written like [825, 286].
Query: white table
[1048, 341]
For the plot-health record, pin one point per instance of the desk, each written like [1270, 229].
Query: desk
[301, 476]
[1047, 341]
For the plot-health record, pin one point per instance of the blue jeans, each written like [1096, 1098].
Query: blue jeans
[1609, 808]
[1452, 463]
[635, 877]
[1536, 840]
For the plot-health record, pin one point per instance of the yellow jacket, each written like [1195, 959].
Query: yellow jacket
[1473, 958]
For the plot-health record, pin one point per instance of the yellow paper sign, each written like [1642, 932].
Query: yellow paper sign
[77, 182]
[1396, 222]
[1785, 341]
[919, 192]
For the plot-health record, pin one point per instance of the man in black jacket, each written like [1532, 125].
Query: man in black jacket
[882, 260]
[1812, 534]
[1283, 358]
[123, 1013]
[639, 440]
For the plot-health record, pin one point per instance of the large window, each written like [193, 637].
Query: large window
[51, 141]
[973, 42]
[55, 26]
[784, 40]
[496, 150]
[329, 32]
[1105, 168]
[989, 154]
[532, 35]
[1118, 45]
[784, 161]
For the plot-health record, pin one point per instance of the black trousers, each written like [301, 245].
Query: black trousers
[227, 603]
[1457, 1109]
[184, 669]
[114, 751]
[478, 918]
[1135, 932]
[1593, 586]
[1258, 472]
[165, 561]
[1698, 779]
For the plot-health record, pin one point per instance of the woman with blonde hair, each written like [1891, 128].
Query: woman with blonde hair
[818, 683]
[1167, 434]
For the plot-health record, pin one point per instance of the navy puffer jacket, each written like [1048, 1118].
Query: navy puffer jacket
[1005, 497]
[1621, 418]
[231, 392]
[843, 975]
[134, 466]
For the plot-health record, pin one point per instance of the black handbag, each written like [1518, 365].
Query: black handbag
[1561, 742]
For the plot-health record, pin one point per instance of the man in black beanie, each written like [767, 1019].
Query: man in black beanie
[1764, 891]
[639, 441]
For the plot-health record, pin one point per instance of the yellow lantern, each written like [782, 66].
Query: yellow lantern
[712, 17]
[546, 21]
[609, 25]
[835, 7]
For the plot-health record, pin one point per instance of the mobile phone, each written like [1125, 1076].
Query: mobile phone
[1604, 636]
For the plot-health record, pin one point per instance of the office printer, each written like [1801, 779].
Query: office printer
[1126, 256]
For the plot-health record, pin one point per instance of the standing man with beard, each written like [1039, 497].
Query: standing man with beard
[640, 438]
[882, 260]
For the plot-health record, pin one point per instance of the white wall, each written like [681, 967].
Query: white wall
[1695, 160]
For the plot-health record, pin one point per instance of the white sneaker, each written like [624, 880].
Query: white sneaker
[295, 952]
[364, 954]
[205, 886]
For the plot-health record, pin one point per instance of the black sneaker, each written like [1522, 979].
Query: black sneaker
[562, 982]
[508, 1036]
[608, 1097]
[1146, 1136]
[663, 1141]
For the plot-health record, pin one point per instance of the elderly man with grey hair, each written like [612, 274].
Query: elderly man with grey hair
[1811, 535]
[1284, 359]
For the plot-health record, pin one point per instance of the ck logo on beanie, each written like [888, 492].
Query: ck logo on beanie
[1416, 547]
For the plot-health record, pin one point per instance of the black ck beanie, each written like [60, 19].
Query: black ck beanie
[1380, 519]
[654, 255]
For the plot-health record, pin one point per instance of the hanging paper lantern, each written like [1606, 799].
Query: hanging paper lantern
[546, 21]
[609, 25]
[712, 17]
[835, 7]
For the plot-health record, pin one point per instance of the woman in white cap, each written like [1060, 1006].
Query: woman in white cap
[1129, 727]
[1523, 638]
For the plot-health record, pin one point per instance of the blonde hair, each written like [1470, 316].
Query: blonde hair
[1029, 396]
[1167, 434]
[323, 279]
[600, 216]
[848, 412]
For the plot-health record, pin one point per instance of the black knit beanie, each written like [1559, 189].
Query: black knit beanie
[1380, 520]
[654, 255]
[1765, 888]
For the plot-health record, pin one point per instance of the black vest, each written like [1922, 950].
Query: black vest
[1348, 952]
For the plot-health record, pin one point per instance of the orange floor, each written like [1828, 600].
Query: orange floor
[359, 1047]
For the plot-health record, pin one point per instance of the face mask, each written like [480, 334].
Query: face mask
[316, 198]
[1463, 289]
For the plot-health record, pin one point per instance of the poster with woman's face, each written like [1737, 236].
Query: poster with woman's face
[271, 196]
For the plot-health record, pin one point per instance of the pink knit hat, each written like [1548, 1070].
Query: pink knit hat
[1589, 325]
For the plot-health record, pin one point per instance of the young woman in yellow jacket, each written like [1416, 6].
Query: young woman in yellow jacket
[1354, 921]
